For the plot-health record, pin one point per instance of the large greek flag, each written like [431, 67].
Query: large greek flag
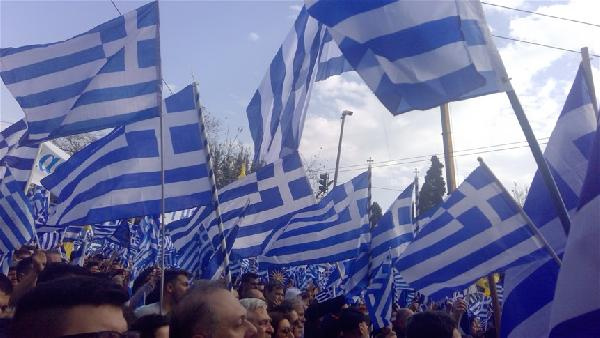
[191, 240]
[277, 110]
[567, 154]
[478, 230]
[119, 175]
[261, 202]
[17, 154]
[576, 307]
[414, 54]
[330, 231]
[16, 221]
[106, 77]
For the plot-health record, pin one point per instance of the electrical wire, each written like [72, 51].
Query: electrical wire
[542, 14]
[541, 45]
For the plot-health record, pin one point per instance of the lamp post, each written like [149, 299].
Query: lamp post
[339, 152]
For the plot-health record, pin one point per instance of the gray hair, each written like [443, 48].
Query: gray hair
[252, 304]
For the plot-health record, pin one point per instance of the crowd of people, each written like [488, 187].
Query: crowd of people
[45, 296]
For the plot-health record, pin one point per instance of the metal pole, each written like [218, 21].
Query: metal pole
[162, 164]
[589, 79]
[339, 151]
[559, 205]
[370, 175]
[416, 209]
[215, 192]
[448, 148]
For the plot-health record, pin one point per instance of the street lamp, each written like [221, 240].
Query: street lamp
[339, 152]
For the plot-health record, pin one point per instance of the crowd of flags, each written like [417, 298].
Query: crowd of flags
[108, 197]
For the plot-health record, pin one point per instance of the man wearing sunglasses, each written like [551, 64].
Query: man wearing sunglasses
[76, 307]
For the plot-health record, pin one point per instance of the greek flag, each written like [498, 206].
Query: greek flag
[144, 247]
[49, 240]
[190, 240]
[119, 175]
[478, 230]
[576, 306]
[567, 154]
[379, 296]
[16, 154]
[16, 221]
[261, 202]
[329, 231]
[332, 61]
[106, 77]
[214, 268]
[415, 54]
[277, 110]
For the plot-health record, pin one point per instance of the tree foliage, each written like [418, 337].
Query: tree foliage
[433, 189]
[376, 214]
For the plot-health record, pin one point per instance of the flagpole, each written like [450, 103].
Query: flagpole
[543, 168]
[589, 79]
[215, 192]
[162, 164]
[416, 207]
[448, 148]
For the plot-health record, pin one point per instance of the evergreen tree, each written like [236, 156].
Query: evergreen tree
[376, 213]
[433, 189]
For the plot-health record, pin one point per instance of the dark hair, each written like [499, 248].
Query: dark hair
[248, 276]
[194, 313]
[285, 307]
[59, 270]
[273, 284]
[24, 266]
[350, 319]
[5, 284]
[172, 274]
[140, 280]
[276, 318]
[146, 326]
[40, 312]
[430, 324]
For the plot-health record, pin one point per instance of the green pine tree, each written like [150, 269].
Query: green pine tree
[433, 189]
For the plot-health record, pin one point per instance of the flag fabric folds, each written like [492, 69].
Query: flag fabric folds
[106, 77]
[119, 175]
[16, 220]
[277, 110]
[190, 240]
[529, 290]
[16, 154]
[379, 296]
[261, 202]
[478, 230]
[420, 54]
[576, 306]
[330, 231]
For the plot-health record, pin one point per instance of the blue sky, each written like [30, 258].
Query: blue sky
[228, 45]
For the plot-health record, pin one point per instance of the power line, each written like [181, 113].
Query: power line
[115, 5]
[541, 44]
[424, 158]
[456, 152]
[542, 14]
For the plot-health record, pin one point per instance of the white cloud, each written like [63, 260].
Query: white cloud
[253, 36]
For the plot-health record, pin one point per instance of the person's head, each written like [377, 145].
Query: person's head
[53, 256]
[151, 326]
[300, 308]
[255, 293]
[287, 308]
[292, 294]
[24, 267]
[274, 292]
[399, 323]
[431, 324]
[59, 270]
[384, 332]
[281, 325]
[249, 281]
[209, 311]
[258, 316]
[177, 282]
[353, 323]
[22, 253]
[68, 306]
[93, 266]
[6, 289]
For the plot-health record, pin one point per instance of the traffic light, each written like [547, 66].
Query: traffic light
[323, 184]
